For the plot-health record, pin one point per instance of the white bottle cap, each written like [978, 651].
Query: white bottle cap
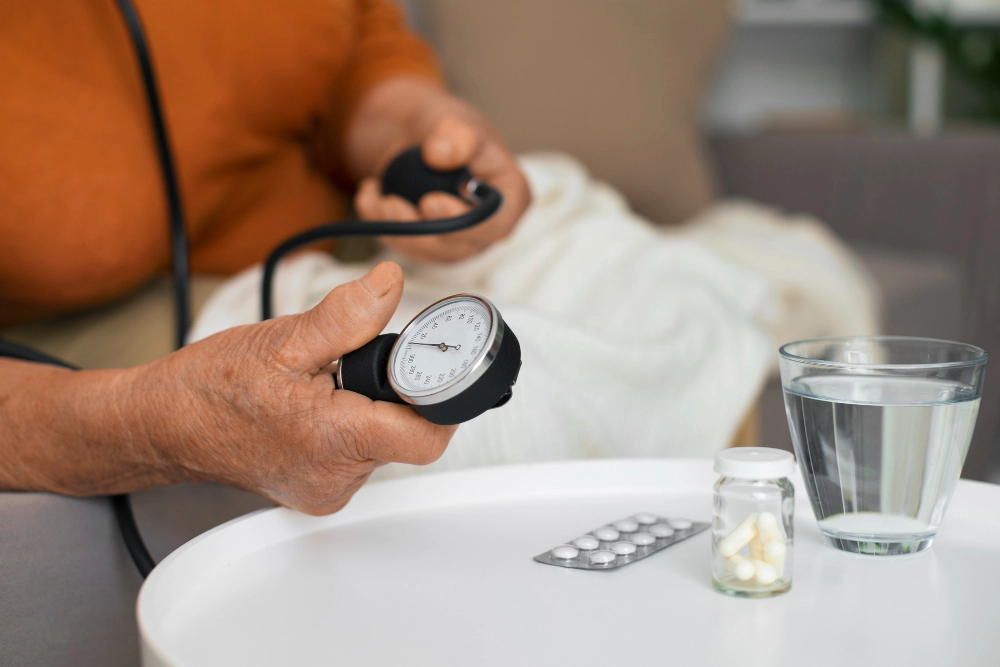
[754, 463]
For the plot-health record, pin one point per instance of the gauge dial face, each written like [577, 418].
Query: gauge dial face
[443, 345]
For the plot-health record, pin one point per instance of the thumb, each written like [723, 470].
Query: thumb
[452, 143]
[347, 318]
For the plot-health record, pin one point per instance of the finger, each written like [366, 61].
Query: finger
[517, 198]
[320, 502]
[372, 205]
[456, 245]
[390, 432]
[495, 165]
[366, 201]
[506, 176]
[451, 143]
[380, 432]
[397, 209]
[442, 205]
[349, 316]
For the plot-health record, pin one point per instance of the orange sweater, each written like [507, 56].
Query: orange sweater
[253, 91]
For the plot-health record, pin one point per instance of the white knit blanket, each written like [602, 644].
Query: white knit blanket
[636, 340]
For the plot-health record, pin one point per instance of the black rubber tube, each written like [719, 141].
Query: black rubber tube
[168, 170]
[490, 201]
[178, 246]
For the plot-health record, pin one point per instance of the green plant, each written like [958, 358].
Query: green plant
[975, 52]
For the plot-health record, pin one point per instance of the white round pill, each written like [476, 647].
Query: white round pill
[626, 525]
[565, 552]
[606, 534]
[602, 557]
[661, 530]
[645, 518]
[623, 548]
[586, 542]
[679, 524]
[642, 539]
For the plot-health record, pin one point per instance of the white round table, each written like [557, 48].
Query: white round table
[438, 570]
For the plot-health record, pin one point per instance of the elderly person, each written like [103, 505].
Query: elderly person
[277, 110]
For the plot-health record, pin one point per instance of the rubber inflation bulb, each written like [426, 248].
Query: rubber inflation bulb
[409, 177]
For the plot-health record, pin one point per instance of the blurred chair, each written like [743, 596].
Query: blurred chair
[923, 214]
[616, 84]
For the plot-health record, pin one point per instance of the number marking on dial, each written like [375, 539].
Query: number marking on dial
[441, 346]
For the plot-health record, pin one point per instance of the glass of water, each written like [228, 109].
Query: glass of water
[881, 426]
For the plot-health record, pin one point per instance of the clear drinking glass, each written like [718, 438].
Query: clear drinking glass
[881, 426]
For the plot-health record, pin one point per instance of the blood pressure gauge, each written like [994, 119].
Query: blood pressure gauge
[452, 362]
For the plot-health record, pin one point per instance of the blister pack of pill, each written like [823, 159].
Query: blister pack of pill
[621, 542]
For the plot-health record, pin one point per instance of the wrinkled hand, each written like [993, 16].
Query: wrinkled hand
[452, 134]
[253, 407]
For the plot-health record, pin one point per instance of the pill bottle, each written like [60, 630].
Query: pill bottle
[753, 506]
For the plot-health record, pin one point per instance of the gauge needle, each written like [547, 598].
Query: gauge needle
[441, 346]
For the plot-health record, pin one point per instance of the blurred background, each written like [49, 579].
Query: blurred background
[879, 117]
